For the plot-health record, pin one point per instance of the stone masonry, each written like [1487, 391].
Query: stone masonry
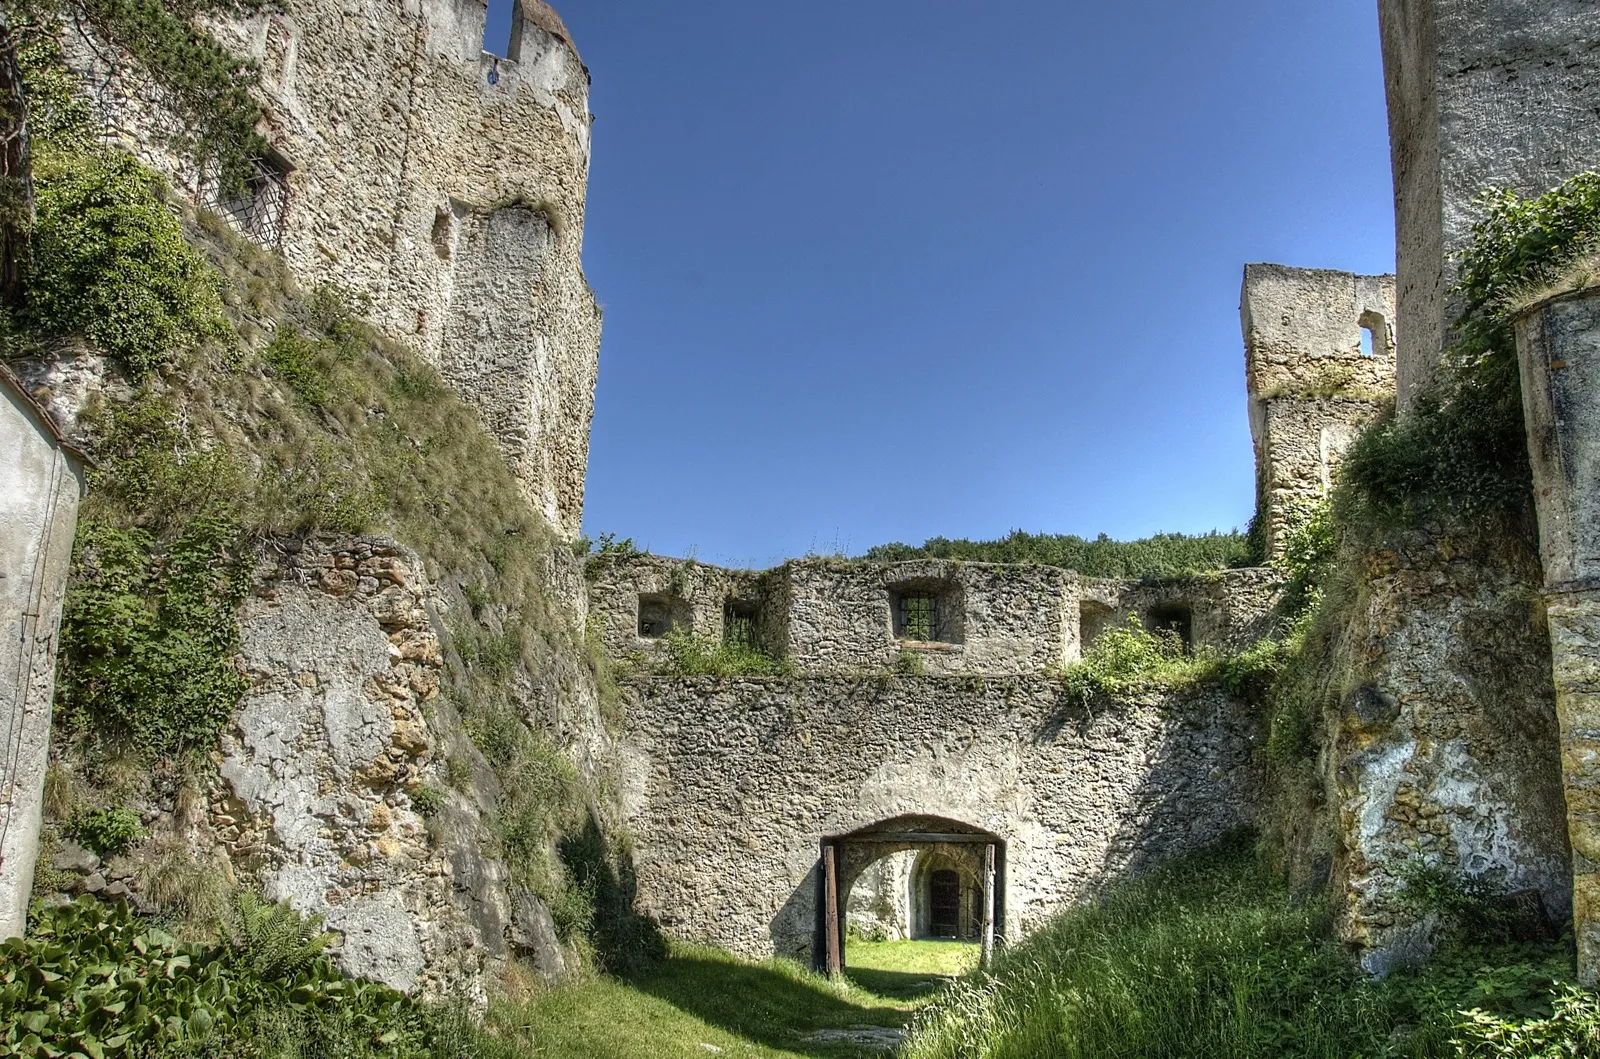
[1483, 94]
[1558, 344]
[826, 615]
[729, 786]
[1312, 387]
[443, 183]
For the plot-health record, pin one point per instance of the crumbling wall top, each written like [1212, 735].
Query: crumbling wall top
[1303, 332]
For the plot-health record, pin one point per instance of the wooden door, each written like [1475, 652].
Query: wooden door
[944, 904]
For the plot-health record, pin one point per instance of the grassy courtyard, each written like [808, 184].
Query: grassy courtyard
[701, 1002]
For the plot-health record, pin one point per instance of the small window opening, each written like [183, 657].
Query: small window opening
[1374, 335]
[443, 233]
[1175, 620]
[659, 615]
[497, 27]
[919, 617]
[926, 611]
[259, 210]
[1094, 618]
[739, 624]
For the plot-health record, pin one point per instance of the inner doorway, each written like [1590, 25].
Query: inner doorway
[920, 877]
[944, 903]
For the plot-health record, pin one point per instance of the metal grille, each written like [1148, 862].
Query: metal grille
[919, 618]
[738, 627]
[259, 213]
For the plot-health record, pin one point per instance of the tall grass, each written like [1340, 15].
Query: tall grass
[1213, 957]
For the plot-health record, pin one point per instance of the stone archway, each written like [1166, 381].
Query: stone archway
[944, 844]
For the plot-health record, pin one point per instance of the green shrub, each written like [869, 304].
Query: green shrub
[427, 801]
[1129, 659]
[1163, 555]
[94, 980]
[1310, 547]
[687, 655]
[110, 263]
[1461, 452]
[1571, 1029]
[149, 635]
[106, 831]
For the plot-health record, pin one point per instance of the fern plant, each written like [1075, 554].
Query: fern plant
[274, 940]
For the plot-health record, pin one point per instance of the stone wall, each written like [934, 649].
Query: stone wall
[444, 183]
[1482, 94]
[1441, 743]
[1558, 346]
[40, 484]
[825, 615]
[731, 786]
[313, 795]
[1311, 388]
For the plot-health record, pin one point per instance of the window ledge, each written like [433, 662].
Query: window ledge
[935, 646]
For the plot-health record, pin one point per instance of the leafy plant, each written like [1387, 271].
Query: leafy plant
[1571, 1029]
[149, 635]
[427, 801]
[1128, 659]
[687, 655]
[274, 940]
[110, 262]
[106, 831]
[1163, 555]
[94, 980]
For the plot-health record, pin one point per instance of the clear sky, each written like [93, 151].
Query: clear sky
[880, 270]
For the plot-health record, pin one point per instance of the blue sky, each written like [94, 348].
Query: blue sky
[882, 271]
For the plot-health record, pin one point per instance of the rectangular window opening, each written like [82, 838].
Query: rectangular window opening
[739, 626]
[1368, 346]
[259, 210]
[919, 617]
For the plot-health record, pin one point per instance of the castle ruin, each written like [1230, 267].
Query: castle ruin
[919, 765]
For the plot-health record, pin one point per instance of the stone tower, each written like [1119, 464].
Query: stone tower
[1319, 366]
[1482, 94]
[441, 182]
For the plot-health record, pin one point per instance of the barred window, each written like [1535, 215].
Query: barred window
[739, 625]
[260, 211]
[919, 617]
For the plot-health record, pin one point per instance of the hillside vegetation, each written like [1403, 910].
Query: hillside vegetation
[1163, 555]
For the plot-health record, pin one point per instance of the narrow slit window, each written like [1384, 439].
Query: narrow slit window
[1368, 342]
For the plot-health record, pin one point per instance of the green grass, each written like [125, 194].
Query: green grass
[693, 998]
[1213, 956]
[912, 971]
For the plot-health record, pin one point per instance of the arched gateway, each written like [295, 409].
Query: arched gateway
[955, 888]
[917, 726]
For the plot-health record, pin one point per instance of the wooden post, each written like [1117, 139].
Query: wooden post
[830, 912]
[987, 954]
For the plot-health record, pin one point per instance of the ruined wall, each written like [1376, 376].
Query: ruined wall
[1441, 747]
[40, 484]
[829, 616]
[1558, 347]
[1483, 94]
[314, 794]
[1311, 389]
[731, 785]
[444, 183]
